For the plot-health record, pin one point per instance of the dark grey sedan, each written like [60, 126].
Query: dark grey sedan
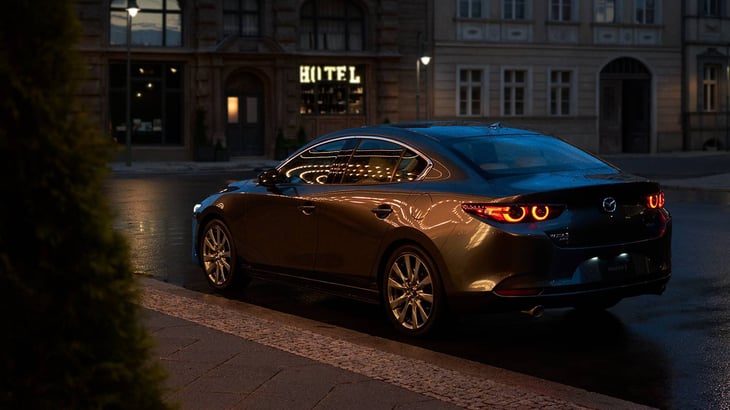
[436, 218]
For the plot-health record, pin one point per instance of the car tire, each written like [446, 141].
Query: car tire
[411, 292]
[218, 256]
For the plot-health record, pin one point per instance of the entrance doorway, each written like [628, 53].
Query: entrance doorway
[244, 117]
[625, 107]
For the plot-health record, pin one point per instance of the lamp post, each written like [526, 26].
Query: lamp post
[132, 10]
[422, 59]
[425, 60]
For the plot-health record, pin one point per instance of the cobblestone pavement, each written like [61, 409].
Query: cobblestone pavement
[197, 335]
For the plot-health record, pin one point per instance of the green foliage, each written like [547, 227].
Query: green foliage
[71, 336]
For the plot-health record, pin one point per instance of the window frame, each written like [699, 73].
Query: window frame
[483, 92]
[116, 10]
[602, 5]
[318, 22]
[710, 100]
[512, 6]
[552, 86]
[561, 5]
[647, 12]
[483, 4]
[512, 87]
[241, 14]
[337, 168]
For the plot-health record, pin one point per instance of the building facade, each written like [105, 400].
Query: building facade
[244, 74]
[604, 74]
[258, 77]
[706, 74]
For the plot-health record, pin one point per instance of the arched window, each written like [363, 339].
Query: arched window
[333, 25]
[158, 23]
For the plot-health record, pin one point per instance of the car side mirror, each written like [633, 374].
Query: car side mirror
[269, 178]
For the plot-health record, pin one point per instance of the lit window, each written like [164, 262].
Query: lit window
[710, 87]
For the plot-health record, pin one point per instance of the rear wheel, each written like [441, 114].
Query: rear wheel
[412, 293]
[218, 255]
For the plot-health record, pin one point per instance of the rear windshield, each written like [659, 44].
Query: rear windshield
[519, 155]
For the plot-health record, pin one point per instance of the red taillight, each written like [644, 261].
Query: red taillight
[655, 201]
[513, 213]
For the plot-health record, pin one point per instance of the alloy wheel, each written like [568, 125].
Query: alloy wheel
[217, 255]
[410, 291]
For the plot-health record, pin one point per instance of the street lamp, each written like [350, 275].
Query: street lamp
[132, 11]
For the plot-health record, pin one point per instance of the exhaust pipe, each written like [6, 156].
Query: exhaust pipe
[536, 311]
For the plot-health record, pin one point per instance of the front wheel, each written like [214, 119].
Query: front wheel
[218, 255]
[412, 293]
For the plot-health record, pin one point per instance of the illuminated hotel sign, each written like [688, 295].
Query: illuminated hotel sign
[311, 74]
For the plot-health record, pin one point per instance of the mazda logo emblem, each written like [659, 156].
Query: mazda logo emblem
[609, 204]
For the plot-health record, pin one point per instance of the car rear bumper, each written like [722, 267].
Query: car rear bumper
[560, 296]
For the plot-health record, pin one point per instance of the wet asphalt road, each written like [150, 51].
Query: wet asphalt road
[667, 351]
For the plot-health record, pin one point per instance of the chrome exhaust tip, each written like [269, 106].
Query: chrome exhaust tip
[536, 311]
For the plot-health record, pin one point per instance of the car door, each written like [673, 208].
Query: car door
[282, 219]
[356, 214]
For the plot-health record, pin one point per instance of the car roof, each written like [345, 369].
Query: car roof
[440, 131]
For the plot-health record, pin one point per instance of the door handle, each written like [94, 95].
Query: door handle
[382, 211]
[306, 209]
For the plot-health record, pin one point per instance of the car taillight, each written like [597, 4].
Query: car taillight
[514, 213]
[655, 201]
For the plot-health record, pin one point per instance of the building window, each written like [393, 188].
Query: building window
[332, 90]
[156, 102]
[158, 23]
[331, 25]
[470, 89]
[710, 82]
[646, 12]
[561, 82]
[605, 11]
[514, 90]
[471, 9]
[516, 9]
[710, 8]
[561, 10]
[241, 18]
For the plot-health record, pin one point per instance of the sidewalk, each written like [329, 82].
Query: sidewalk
[224, 354]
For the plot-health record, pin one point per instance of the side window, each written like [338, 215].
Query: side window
[317, 165]
[410, 167]
[373, 162]
[378, 162]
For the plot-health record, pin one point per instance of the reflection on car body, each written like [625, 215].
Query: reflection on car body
[433, 218]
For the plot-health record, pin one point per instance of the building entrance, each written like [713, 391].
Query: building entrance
[625, 107]
[245, 116]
